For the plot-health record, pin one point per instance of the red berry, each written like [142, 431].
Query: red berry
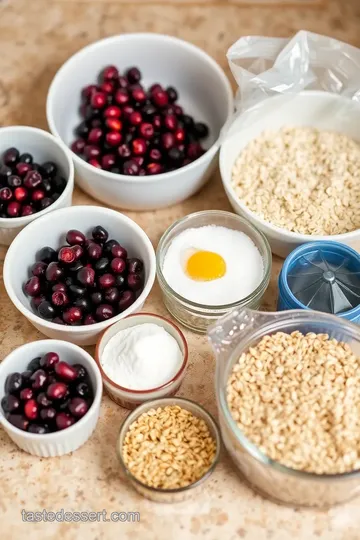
[154, 168]
[98, 100]
[146, 130]
[170, 122]
[27, 210]
[110, 73]
[49, 360]
[112, 112]
[26, 394]
[179, 135]
[113, 138]
[72, 315]
[13, 209]
[138, 95]
[67, 255]
[160, 98]
[107, 87]
[139, 147]
[78, 146]
[135, 118]
[78, 407]
[95, 163]
[118, 266]
[122, 96]
[108, 161]
[56, 390]
[65, 371]
[31, 409]
[88, 91]
[37, 195]
[167, 140]
[114, 124]
[95, 135]
[64, 420]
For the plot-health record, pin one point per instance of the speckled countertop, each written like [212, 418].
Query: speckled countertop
[36, 37]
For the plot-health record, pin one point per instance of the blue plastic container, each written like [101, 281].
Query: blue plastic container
[322, 276]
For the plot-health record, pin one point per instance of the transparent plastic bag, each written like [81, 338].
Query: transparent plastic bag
[264, 67]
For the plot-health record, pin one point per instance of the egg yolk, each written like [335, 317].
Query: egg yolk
[205, 266]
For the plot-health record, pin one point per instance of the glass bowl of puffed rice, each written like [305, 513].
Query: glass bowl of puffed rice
[288, 394]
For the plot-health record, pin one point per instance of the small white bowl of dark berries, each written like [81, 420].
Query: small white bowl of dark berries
[77, 271]
[142, 114]
[50, 394]
[36, 177]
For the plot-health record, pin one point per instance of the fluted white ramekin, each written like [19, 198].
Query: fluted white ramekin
[60, 442]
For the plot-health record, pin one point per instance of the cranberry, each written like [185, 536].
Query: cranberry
[120, 282]
[38, 429]
[135, 282]
[106, 280]
[54, 272]
[39, 379]
[146, 130]
[194, 150]
[56, 390]
[28, 210]
[160, 98]
[170, 122]
[78, 146]
[37, 195]
[5, 194]
[22, 169]
[26, 393]
[91, 151]
[114, 124]
[122, 96]
[21, 194]
[89, 319]
[133, 75]
[72, 315]
[43, 400]
[59, 299]
[113, 138]
[33, 286]
[130, 168]
[110, 73]
[19, 421]
[14, 181]
[112, 112]
[178, 110]
[111, 295]
[31, 409]
[138, 95]
[95, 163]
[98, 100]
[88, 91]
[59, 287]
[167, 140]
[44, 203]
[11, 156]
[155, 154]
[157, 122]
[126, 300]
[64, 420]
[78, 407]
[32, 179]
[135, 118]
[65, 371]
[48, 414]
[118, 266]
[179, 135]
[124, 151]
[10, 404]
[49, 360]
[82, 130]
[78, 251]
[95, 136]
[46, 310]
[201, 130]
[107, 87]
[135, 266]
[67, 255]
[86, 276]
[74, 237]
[94, 250]
[122, 82]
[154, 168]
[104, 312]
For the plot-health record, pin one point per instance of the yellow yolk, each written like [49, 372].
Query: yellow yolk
[205, 266]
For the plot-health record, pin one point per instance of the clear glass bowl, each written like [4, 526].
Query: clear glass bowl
[232, 336]
[169, 495]
[195, 316]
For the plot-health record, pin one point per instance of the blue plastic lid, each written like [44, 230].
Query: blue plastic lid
[323, 276]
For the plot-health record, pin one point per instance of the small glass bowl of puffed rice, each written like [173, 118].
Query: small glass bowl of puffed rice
[168, 448]
[288, 393]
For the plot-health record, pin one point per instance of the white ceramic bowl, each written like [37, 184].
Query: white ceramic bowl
[50, 231]
[204, 91]
[60, 442]
[316, 109]
[44, 147]
[130, 399]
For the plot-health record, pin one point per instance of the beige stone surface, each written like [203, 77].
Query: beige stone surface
[36, 37]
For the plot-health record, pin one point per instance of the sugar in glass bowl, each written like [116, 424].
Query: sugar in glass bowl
[43, 147]
[50, 231]
[198, 316]
[204, 92]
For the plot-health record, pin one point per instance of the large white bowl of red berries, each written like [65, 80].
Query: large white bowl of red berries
[50, 395]
[142, 114]
[78, 270]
